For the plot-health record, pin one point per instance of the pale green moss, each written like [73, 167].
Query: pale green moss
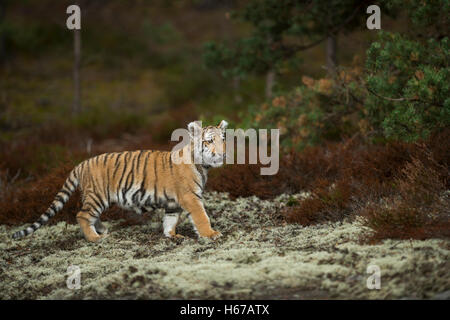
[257, 257]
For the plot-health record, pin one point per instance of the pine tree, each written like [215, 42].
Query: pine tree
[281, 29]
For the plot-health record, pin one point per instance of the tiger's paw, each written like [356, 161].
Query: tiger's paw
[213, 235]
[97, 238]
[172, 235]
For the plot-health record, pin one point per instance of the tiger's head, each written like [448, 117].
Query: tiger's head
[209, 143]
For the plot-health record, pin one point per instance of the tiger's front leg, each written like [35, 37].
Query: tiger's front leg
[198, 216]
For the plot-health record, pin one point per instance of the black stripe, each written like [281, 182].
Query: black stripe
[90, 208]
[41, 220]
[139, 161]
[52, 206]
[134, 196]
[163, 161]
[128, 182]
[117, 159]
[145, 171]
[107, 186]
[82, 165]
[101, 200]
[50, 213]
[97, 202]
[94, 187]
[67, 193]
[106, 158]
[170, 163]
[117, 164]
[132, 171]
[74, 183]
[165, 195]
[144, 197]
[119, 186]
[67, 186]
[200, 171]
[156, 178]
[197, 195]
[203, 177]
[125, 166]
[198, 184]
[92, 214]
[70, 185]
[60, 199]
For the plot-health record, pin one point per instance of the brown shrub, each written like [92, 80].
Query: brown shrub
[296, 173]
[418, 206]
[327, 203]
[243, 180]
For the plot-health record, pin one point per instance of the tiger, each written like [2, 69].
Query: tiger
[143, 181]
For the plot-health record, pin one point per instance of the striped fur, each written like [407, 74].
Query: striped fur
[141, 181]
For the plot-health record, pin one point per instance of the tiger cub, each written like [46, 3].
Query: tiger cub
[143, 181]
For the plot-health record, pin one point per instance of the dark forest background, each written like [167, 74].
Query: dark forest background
[364, 114]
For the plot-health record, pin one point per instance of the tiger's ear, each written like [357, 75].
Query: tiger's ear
[194, 128]
[223, 125]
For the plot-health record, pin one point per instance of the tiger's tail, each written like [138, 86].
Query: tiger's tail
[60, 200]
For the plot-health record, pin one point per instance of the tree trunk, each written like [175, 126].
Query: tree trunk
[331, 52]
[2, 37]
[270, 81]
[76, 72]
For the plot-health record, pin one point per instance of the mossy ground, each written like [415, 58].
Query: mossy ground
[258, 257]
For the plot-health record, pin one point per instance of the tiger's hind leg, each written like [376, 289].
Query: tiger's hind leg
[89, 219]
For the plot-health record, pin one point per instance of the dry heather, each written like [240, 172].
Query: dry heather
[259, 256]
